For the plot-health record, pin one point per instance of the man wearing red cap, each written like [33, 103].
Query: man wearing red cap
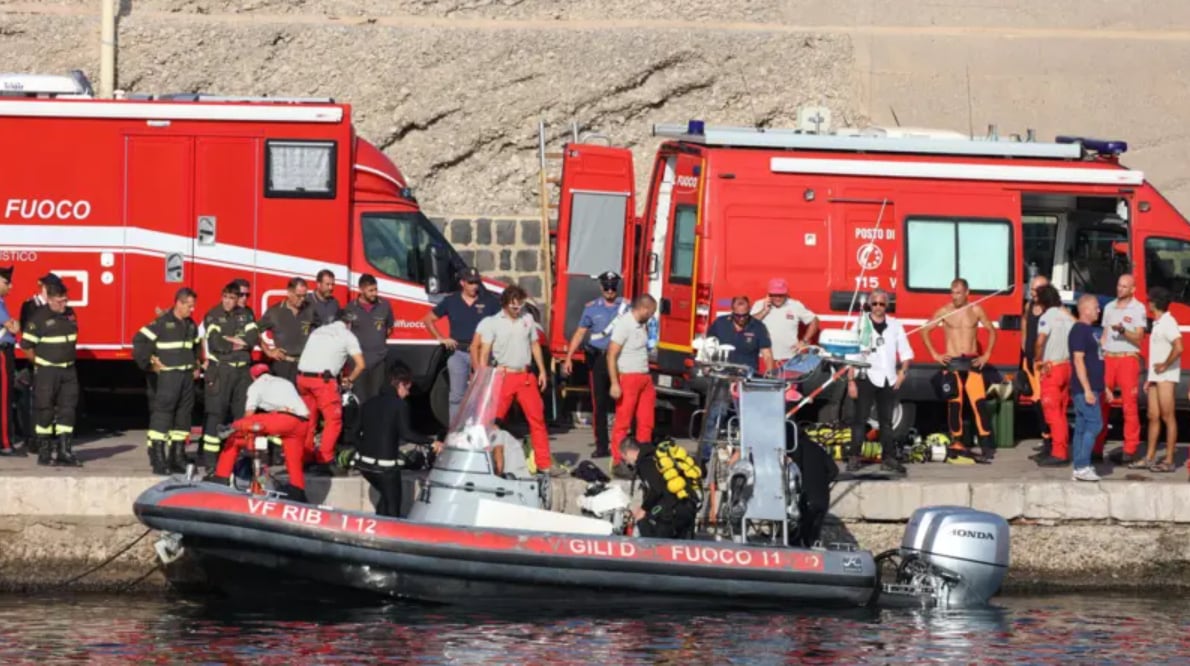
[783, 316]
[273, 409]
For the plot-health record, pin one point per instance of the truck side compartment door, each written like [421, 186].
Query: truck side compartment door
[596, 215]
[227, 173]
[158, 225]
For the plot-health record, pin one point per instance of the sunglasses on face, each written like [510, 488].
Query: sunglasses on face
[879, 304]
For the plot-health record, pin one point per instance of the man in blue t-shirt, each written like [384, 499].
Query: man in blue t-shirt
[1087, 386]
[753, 348]
[748, 335]
[463, 310]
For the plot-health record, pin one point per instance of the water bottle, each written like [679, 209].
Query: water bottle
[654, 330]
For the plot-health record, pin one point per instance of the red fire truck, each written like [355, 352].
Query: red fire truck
[128, 200]
[832, 212]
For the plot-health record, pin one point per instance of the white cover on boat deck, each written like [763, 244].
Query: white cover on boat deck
[502, 515]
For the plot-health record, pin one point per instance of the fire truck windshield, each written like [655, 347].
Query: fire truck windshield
[401, 245]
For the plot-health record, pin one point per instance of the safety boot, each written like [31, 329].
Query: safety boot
[157, 458]
[45, 452]
[295, 494]
[65, 446]
[177, 457]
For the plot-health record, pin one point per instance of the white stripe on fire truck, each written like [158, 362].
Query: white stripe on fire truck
[958, 171]
[145, 242]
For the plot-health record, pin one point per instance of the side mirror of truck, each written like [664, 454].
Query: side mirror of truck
[438, 270]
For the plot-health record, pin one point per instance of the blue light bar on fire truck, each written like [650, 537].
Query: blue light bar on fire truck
[1100, 146]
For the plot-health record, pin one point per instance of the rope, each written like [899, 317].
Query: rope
[106, 562]
[134, 583]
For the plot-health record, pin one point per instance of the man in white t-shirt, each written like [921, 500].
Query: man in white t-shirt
[1165, 371]
[783, 316]
[631, 384]
[1124, 324]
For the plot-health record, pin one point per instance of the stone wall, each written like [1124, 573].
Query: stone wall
[505, 248]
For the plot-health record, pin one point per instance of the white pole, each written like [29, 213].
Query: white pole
[107, 50]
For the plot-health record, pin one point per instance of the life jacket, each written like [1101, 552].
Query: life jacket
[683, 479]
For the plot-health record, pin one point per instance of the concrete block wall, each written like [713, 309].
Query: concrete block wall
[504, 248]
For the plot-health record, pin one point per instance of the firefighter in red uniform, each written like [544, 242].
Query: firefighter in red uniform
[272, 408]
[511, 338]
[168, 349]
[231, 333]
[631, 383]
[326, 352]
[1051, 356]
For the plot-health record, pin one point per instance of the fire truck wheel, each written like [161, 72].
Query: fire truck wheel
[440, 398]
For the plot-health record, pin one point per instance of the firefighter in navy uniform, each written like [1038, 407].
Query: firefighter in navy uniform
[289, 323]
[168, 349]
[231, 333]
[597, 318]
[385, 427]
[671, 484]
[50, 342]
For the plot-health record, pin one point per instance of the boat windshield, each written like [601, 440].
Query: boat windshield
[476, 418]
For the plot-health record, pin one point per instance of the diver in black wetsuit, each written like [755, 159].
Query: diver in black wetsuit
[819, 471]
[384, 422]
[669, 479]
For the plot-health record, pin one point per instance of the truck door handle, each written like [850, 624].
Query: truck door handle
[665, 306]
[1010, 322]
[206, 229]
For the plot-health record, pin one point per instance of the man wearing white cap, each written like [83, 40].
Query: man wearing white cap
[783, 316]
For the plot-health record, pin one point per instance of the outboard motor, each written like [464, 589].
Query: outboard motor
[952, 556]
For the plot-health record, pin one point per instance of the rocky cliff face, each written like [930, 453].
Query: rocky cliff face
[454, 103]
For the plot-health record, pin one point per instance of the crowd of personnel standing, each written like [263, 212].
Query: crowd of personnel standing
[1067, 363]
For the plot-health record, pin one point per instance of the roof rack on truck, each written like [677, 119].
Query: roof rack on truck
[203, 97]
[868, 141]
[70, 86]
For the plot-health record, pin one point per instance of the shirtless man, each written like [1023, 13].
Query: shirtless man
[960, 323]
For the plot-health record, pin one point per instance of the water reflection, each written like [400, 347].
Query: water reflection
[1038, 630]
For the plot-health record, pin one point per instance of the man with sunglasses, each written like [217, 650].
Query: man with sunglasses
[463, 309]
[752, 347]
[598, 318]
[245, 288]
[882, 340]
[783, 317]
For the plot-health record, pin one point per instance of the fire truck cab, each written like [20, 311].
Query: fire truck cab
[901, 209]
[130, 199]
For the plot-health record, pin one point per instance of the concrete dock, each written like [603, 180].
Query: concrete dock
[1131, 529]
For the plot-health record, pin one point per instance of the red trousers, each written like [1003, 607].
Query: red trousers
[288, 427]
[1055, 399]
[322, 397]
[522, 386]
[1122, 372]
[638, 397]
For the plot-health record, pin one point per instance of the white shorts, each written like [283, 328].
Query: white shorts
[1173, 374]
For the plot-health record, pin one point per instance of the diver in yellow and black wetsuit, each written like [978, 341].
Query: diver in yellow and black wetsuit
[670, 479]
